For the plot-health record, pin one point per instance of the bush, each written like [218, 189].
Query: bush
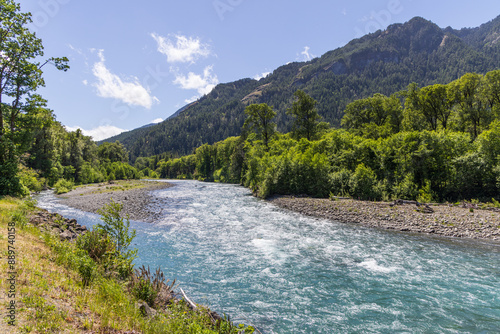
[97, 244]
[73, 257]
[118, 230]
[406, 189]
[87, 268]
[339, 182]
[147, 287]
[30, 179]
[63, 186]
[363, 183]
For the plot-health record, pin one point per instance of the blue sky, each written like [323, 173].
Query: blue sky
[137, 62]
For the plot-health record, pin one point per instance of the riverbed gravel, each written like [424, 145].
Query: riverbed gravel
[462, 221]
[139, 202]
[450, 220]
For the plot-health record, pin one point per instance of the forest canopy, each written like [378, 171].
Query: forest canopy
[435, 143]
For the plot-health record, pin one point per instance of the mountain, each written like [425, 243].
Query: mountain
[382, 62]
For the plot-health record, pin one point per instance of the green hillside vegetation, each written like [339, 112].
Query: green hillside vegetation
[436, 143]
[382, 62]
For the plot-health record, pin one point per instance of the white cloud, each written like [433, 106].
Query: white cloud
[202, 83]
[344, 12]
[99, 133]
[191, 100]
[156, 121]
[183, 50]
[261, 76]
[85, 82]
[307, 55]
[112, 86]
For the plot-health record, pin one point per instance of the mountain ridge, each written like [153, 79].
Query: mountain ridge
[385, 61]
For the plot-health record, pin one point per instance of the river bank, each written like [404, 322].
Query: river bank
[461, 221]
[135, 195]
[444, 220]
[280, 270]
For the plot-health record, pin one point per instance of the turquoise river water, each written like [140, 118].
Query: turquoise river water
[286, 273]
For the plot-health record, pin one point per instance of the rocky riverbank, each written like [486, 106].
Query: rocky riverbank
[66, 229]
[446, 220]
[135, 196]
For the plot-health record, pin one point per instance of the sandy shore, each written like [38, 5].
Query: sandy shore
[135, 195]
[445, 220]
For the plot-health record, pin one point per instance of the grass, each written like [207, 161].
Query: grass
[52, 298]
[120, 185]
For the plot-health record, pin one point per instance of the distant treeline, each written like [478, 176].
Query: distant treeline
[55, 154]
[35, 150]
[42, 153]
[435, 143]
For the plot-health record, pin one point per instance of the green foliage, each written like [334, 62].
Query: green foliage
[98, 245]
[21, 76]
[425, 165]
[405, 189]
[259, 120]
[377, 116]
[148, 286]
[63, 186]
[118, 230]
[363, 183]
[425, 195]
[10, 183]
[306, 119]
[112, 152]
[75, 258]
[87, 268]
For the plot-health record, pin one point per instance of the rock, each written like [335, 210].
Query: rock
[146, 310]
[81, 228]
[67, 235]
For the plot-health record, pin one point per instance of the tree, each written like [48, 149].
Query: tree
[466, 92]
[20, 76]
[116, 227]
[491, 90]
[306, 123]
[259, 119]
[432, 103]
[374, 116]
[112, 152]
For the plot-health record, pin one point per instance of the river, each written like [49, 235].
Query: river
[287, 273]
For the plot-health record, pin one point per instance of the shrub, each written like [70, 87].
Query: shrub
[118, 230]
[87, 268]
[63, 186]
[30, 179]
[97, 244]
[406, 189]
[363, 183]
[339, 182]
[148, 286]
[73, 257]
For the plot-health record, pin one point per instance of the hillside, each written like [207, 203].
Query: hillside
[382, 62]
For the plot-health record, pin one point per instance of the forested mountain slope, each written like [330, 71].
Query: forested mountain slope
[382, 62]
